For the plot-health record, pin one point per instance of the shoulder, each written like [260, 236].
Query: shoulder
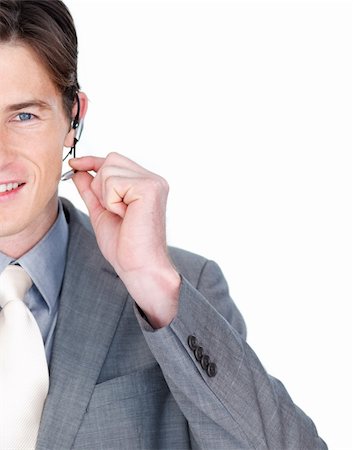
[75, 217]
[207, 277]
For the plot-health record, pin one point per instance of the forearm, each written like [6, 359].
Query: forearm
[241, 401]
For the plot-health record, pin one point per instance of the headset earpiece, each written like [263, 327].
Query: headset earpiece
[76, 125]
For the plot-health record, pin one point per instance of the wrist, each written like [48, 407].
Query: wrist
[156, 292]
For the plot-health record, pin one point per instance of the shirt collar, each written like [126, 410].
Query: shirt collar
[45, 262]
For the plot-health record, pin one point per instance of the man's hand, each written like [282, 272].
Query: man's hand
[127, 207]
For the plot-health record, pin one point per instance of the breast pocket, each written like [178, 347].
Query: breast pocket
[134, 411]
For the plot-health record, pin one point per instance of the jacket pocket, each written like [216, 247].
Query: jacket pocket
[133, 412]
[139, 383]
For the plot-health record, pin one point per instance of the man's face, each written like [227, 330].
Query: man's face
[33, 131]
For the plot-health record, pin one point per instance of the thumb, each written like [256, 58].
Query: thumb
[83, 181]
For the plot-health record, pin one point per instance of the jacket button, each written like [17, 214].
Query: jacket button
[192, 341]
[205, 360]
[198, 353]
[212, 369]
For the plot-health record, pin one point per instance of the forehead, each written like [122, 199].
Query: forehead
[22, 74]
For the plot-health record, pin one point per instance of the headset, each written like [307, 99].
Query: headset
[76, 125]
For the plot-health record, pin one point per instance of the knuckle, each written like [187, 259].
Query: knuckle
[111, 156]
[157, 183]
[164, 183]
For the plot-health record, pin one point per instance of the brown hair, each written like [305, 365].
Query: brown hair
[48, 28]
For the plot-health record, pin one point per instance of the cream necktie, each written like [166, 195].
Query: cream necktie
[24, 379]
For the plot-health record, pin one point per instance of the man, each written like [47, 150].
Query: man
[145, 348]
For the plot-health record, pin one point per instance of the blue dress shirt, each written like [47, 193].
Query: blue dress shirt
[45, 264]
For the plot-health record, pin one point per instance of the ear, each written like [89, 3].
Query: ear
[69, 140]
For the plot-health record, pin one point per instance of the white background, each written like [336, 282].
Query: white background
[246, 109]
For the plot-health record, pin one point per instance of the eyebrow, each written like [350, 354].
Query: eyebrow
[28, 104]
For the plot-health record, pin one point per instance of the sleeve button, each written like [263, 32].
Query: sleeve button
[205, 360]
[198, 353]
[212, 369]
[192, 342]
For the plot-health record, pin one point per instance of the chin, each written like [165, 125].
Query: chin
[9, 228]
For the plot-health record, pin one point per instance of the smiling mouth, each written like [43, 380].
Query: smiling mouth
[8, 187]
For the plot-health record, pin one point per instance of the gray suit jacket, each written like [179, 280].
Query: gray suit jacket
[117, 384]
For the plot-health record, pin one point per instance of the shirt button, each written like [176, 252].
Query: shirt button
[192, 342]
[212, 369]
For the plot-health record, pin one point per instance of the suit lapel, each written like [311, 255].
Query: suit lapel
[91, 303]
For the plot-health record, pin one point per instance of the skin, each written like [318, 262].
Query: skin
[126, 203]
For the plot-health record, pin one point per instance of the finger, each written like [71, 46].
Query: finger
[113, 199]
[115, 176]
[83, 182]
[117, 207]
[112, 159]
[86, 163]
[98, 182]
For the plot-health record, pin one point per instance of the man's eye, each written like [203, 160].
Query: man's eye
[25, 116]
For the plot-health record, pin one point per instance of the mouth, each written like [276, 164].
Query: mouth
[9, 187]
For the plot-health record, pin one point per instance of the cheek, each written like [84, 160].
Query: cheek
[49, 165]
[45, 155]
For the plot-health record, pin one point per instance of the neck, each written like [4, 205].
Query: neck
[18, 244]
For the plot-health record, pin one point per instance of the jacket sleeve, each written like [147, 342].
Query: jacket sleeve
[221, 387]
